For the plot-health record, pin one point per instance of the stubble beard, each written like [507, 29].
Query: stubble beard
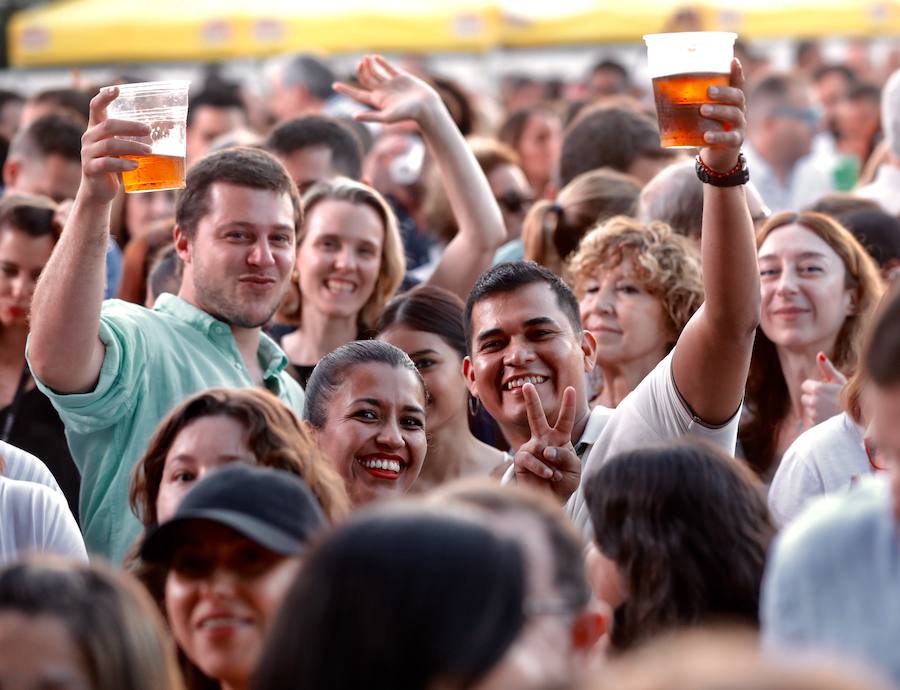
[217, 305]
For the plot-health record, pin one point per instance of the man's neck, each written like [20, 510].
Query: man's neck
[247, 341]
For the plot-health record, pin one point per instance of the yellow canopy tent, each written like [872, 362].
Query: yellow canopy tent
[102, 31]
[596, 21]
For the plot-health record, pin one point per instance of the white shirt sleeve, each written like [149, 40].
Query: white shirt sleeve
[22, 465]
[824, 459]
[36, 519]
[795, 482]
[654, 413]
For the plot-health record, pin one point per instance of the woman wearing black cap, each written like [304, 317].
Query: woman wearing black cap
[230, 553]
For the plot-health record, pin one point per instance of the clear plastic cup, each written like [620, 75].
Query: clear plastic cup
[163, 106]
[683, 66]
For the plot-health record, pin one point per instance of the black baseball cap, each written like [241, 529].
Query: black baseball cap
[274, 508]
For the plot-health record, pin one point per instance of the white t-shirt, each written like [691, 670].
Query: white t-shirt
[652, 414]
[22, 465]
[822, 460]
[36, 519]
[885, 189]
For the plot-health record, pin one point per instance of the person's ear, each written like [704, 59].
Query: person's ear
[468, 370]
[11, 169]
[589, 348]
[182, 244]
[591, 625]
[853, 302]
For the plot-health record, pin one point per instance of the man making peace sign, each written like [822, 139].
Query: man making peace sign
[528, 354]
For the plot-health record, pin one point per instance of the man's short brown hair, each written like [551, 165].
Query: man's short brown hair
[612, 136]
[241, 166]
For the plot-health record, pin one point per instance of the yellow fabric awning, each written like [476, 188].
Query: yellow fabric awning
[102, 31]
[77, 32]
[606, 21]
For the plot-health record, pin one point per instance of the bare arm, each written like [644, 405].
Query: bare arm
[65, 351]
[397, 96]
[712, 357]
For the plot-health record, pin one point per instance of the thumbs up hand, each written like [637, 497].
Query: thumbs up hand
[820, 397]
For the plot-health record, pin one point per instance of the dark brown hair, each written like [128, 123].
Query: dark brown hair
[431, 310]
[240, 166]
[688, 529]
[612, 136]
[31, 214]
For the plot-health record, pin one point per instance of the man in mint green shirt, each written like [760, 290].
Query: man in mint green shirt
[114, 370]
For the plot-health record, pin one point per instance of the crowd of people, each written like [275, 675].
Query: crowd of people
[399, 393]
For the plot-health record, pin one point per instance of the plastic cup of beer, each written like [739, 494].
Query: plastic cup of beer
[683, 66]
[162, 105]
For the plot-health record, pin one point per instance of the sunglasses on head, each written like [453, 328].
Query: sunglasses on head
[513, 202]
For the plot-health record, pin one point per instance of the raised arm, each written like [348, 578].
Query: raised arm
[712, 356]
[396, 95]
[64, 350]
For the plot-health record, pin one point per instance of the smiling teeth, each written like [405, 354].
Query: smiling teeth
[389, 465]
[338, 286]
[518, 383]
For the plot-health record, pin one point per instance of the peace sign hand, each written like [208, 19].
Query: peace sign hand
[548, 460]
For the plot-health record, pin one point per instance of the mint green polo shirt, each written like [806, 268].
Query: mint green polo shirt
[154, 360]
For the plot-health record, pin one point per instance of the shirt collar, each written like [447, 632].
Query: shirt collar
[596, 423]
[270, 355]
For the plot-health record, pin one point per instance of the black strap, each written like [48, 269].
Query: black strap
[15, 404]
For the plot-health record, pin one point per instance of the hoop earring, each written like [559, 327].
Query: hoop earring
[473, 405]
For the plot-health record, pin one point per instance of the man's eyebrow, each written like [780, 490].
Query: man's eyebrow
[489, 333]
[254, 226]
[539, 321]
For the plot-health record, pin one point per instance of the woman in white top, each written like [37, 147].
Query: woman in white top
[36, 519]
[828, 458]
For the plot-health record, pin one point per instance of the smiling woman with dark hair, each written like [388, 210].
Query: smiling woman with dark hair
[366, 405]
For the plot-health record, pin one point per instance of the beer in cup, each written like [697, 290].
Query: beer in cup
[683, 66]
[162, 105]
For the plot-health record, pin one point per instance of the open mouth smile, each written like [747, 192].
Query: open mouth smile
[383, 467]
[519, 381]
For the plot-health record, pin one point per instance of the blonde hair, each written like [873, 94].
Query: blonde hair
[665, 263]
[393, 259]
[552, 230]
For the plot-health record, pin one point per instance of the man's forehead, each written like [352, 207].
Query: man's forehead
[516, 307]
